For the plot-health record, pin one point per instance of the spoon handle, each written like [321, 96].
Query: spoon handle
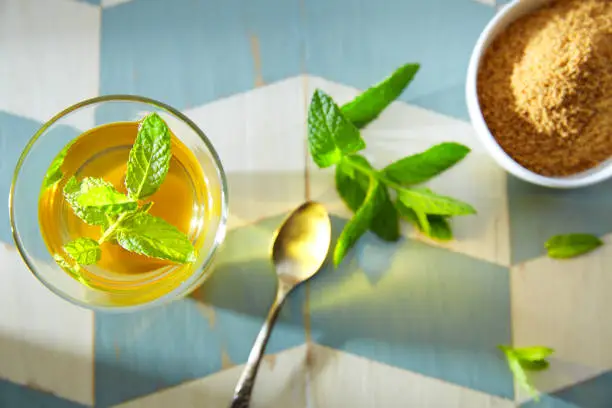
[242, 393]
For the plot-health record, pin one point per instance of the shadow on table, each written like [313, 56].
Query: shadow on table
[406, 304]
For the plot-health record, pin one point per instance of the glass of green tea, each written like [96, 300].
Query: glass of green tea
[119, 202]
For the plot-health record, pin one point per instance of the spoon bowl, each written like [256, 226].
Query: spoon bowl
[301, 243]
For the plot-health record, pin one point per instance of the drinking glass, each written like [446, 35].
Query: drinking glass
[133, 291]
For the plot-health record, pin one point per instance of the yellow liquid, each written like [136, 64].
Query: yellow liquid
[181, 200]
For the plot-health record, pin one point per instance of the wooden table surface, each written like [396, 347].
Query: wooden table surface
[413, 324]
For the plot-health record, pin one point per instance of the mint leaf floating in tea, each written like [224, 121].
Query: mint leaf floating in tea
[106, 199]
[334, 139]
[73, 269]
[93, 200]
[331, 136]
[55, 173]
[85, 251]
[152, 236]
[149, 159]
[352, 186]
[123, 220]
[421, 167]
[367, 106]
[525, 359]
[571, 245]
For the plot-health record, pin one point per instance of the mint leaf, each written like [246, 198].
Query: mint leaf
[367, 106]
[360, 222]
[425, 201]
[571, 245]
[432, 225]
[525, 359]
[73, 269]
[105, 199]
[352, 186]
[54, 172]
[85, 251]
[147, 235]
[149, 159]
[533, 354]
[94, 200]
[421, 167]
[330, 135]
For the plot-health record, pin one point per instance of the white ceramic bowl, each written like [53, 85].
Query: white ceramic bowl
[506, 16]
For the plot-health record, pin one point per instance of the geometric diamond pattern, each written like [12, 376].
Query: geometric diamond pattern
[414, 323]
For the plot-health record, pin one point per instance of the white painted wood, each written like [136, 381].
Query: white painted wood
[260, 137]
[280, 384]
[45, 342]
[51, 57]
[565, 305]
[404, 130]
[340, 379]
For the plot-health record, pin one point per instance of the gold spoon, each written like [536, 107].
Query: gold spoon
[299, 249]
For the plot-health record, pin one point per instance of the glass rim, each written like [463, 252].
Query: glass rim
[221, 228]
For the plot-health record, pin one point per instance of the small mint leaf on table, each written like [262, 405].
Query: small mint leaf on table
[421, 167]
[521, 360]
[152, 236]
[82, 196]
[149, 159]
[85, 251]
[571, 245]
[331, 135]
[367, 106]
[361, 221]
[352, 186]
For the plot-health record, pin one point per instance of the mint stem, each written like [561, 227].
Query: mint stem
[375, 174]
[112, 228]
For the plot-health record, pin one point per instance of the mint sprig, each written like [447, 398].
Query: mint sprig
[526, 359]
[334, 139]
[122, 219]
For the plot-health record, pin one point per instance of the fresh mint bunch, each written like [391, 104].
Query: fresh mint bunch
[380, 197]
[122, 218]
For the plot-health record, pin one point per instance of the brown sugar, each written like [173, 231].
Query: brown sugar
[545, 87]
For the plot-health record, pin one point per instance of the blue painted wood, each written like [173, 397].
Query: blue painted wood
[15, 131]
[424, 309]
[537, 213]
[189, 52]
[359, 42]
[17, 396]
[592, 393]
[139, 353]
